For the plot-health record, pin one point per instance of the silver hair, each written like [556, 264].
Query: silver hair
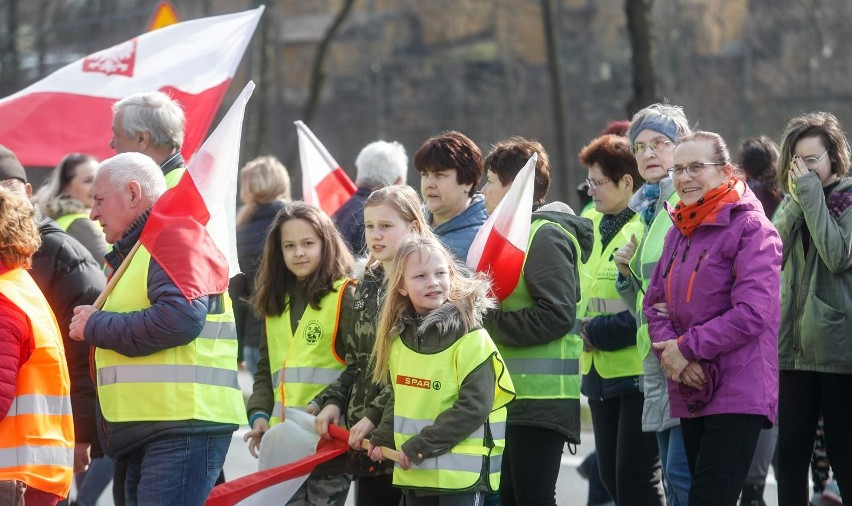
[381, 164]
[121, 169]
[153, 112]
[656, 112]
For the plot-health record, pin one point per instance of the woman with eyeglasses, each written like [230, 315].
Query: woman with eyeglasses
[814, 345]
[628, 459]
[652, 134]
[713, 314]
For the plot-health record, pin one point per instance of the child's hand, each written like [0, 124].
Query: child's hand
[329, 414]
[404, 461]
[255, 435]
[359, 431]
[375, 453]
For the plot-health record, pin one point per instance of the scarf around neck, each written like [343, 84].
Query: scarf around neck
[650, 196]
[612, 223]
[688, 217]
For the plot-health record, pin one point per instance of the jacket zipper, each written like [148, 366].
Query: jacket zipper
[692, 276]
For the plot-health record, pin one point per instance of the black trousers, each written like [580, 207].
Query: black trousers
[802, 397]
[628, 459]
[378, 490]
[719, 451]
[530, 468]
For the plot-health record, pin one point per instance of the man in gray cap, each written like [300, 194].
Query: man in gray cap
[68, 276]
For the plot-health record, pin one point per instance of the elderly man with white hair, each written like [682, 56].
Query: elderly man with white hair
[167, 382]
[379, 164]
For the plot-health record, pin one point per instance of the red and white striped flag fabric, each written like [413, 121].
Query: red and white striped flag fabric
[191, 231]
[324, 184]
[288, 454]
[71, 109]
[500, 246]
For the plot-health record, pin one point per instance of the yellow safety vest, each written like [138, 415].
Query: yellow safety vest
[37, 433]
[603, 299]
[426, 385]
[550, 370]
[65, 221]
[197, 381]
[643, 264]
[304, 362]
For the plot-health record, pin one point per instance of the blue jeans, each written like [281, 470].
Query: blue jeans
[251, 354]
[179, 470]
[675, 466]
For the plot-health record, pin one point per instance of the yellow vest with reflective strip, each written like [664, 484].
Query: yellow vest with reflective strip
[605, 300]
[643, 263]
[37, 433]
[65, 221]
[550, 370]
[426, 385]
[197, 381]
[303, 363]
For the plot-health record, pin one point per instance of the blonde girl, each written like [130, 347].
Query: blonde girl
[390, 214]
[305, 297]
[449, 384]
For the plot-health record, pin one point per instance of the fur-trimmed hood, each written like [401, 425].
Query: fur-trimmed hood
[63, 205]
[442, 327]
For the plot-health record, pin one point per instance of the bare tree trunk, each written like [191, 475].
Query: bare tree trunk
[557, 85]
[262, 70]
[9, 55]
[317, 75]
[644, 81]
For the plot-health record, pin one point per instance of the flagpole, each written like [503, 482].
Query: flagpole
[113, 280]
[386, 452]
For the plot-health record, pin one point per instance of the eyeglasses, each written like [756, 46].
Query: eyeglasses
[811, 162]
[693, 169]
[655, 145]
[593, 185]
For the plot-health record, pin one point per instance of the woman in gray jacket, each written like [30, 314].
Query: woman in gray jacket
[814, 347]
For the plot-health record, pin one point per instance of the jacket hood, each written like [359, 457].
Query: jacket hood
[582, 228]
[64, 205]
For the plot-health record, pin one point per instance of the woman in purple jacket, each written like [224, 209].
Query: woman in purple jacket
[713, 314]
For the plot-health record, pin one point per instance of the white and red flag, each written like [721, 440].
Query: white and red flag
[71, 109]
[191, 231]
[288, 454]
[500, 246]
[324, 184]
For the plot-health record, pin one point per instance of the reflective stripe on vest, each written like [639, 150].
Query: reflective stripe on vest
[37, 432]
[605, 300]
[550, 370]
[650, 250]
[304, 362]
[425, 385]
[196, 381]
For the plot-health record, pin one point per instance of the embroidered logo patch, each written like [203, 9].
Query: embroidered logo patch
[313, 332]
[423, 383]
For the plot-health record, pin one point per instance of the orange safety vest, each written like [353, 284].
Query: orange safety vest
[37, 434]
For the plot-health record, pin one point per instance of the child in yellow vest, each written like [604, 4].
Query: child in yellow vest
[306, 301]
[450, 386]
[390, 214]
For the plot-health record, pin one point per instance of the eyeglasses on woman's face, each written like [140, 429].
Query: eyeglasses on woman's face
[655, 145]
[812, 162]
[593, 185]
[692, 169]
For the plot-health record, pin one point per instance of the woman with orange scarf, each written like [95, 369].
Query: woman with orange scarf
[713, 315]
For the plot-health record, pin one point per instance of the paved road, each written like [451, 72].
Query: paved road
[571, 489]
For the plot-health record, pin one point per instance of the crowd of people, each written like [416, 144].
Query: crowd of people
[699, 304]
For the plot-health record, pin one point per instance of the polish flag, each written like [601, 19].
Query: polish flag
[288, 454]
[71, 109]
[500, 246]
[191, 231]
[324, 184]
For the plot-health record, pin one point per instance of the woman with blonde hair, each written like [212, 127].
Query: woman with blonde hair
[66, 196]
[264, 189]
